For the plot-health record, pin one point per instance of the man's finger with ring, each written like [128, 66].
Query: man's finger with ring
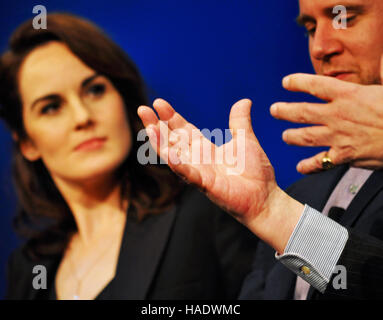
[313, 164]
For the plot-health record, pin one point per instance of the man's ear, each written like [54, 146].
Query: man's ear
[27, 148]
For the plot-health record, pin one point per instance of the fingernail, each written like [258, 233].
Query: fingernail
[284, 135]
[299, 167]
[286, 81]
[274, 108]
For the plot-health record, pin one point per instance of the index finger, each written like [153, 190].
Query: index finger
[322, 87]
[174, 119]
[303, 112]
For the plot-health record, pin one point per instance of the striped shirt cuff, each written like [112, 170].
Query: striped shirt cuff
[314, 248]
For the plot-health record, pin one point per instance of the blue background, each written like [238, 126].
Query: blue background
[202, 56]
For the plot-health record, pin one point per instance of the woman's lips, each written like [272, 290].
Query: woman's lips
[91, 144]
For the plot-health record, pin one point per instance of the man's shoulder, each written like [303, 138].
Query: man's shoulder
[315, 184]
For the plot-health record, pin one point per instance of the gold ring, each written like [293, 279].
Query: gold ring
[327, 163]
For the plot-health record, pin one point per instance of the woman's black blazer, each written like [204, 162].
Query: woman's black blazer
[192, 251]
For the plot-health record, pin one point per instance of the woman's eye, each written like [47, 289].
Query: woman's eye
[50, 108]
[96, 89]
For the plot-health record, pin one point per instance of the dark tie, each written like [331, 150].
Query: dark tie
[336, 213]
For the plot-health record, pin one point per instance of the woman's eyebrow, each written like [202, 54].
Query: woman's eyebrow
[53, 96]
[47, 97]
[85, 82]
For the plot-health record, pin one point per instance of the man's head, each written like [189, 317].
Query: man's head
[351, 54]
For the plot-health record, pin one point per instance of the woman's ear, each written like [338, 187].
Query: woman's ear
[29, 150]
[27, 147]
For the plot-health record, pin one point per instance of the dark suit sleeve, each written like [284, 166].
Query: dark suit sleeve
[363, 259]
[235, 247]
[254, 284]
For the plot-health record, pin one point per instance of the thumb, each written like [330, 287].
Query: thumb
[240, 117]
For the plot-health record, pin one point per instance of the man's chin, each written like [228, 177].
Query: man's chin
[357, 78]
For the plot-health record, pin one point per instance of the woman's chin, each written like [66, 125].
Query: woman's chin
[93, 171]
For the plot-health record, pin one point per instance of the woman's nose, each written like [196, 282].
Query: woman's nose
[81, 113]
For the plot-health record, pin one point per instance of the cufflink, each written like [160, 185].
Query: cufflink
[306, 270]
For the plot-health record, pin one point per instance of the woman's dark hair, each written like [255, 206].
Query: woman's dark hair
[43, 217]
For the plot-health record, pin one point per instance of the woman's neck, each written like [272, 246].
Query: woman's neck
[96, 205]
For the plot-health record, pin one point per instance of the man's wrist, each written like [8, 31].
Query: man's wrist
[277, 221]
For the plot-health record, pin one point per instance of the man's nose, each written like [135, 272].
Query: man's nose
[326, 42]
[81, 113]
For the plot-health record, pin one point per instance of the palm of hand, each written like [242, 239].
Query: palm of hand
[237, 176]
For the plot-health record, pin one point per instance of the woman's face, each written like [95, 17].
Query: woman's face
[75, 119]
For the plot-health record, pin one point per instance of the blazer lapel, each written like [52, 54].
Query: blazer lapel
[315, 189]
[141, 250]
[51, 265]
[368, 191]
